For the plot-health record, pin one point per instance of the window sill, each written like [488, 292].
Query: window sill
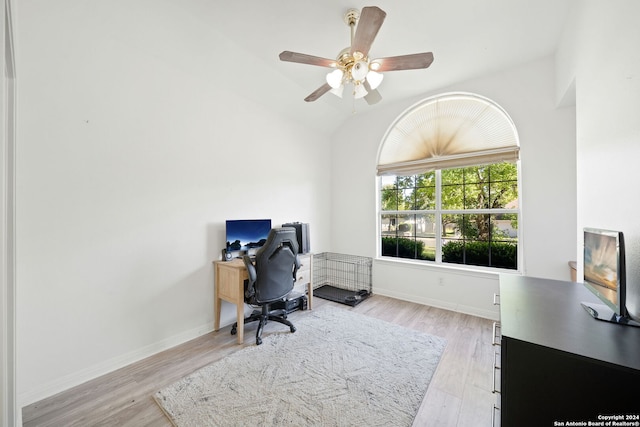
[474, 271]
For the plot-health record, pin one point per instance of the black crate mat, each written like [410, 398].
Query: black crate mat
[343, 296]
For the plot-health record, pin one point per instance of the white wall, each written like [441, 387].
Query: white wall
[547, 138]
[133, 150]
[600, 53]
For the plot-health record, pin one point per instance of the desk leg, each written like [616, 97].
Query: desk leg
[310, 293]
[217, 302]
[217, 305]
[240, 320]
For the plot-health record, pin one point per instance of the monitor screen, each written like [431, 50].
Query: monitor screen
[246, 234]
[604, 272]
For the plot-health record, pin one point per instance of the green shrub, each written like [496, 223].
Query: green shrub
[402, 247]
[499, 254]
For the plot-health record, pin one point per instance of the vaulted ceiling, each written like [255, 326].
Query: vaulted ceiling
[469, 38]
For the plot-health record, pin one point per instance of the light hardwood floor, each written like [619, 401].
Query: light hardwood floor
[459, 394]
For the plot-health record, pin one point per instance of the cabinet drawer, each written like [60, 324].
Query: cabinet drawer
[495, 416]
[496, 373]
[496, 388]
[303, 276]
[305, 262]
[495, 340]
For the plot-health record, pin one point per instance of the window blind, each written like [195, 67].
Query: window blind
[452, 130]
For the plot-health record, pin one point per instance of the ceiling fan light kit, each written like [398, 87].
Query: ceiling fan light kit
[353, 65]
[337, 91]
[335, 77]
[374, 79]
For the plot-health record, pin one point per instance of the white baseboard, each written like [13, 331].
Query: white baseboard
[93, 372]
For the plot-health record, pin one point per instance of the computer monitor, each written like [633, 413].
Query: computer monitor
[246, 234]
[605, 275]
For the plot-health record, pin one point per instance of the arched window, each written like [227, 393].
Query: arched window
[448, 184]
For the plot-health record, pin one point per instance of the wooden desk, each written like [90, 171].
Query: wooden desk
[229, 277]
[229, 286]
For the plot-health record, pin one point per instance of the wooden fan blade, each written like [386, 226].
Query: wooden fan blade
[318, 92]
[303, 58]
[371, 19]
[404, 62]
[373, 96]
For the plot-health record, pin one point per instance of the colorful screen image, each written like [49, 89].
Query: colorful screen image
[247, 234]
[601, 263]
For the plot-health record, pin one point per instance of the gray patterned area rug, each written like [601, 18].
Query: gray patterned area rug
[338, 369]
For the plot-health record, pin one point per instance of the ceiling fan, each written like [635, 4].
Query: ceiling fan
[353, 65]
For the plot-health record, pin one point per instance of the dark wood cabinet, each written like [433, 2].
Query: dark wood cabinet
[558, 364]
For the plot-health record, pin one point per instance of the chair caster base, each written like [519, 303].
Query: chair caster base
[263, 317]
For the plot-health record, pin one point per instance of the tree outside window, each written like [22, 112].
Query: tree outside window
[460, 216]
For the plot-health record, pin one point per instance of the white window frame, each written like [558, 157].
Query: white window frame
[438, 212]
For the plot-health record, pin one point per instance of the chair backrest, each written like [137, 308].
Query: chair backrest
[276, 265]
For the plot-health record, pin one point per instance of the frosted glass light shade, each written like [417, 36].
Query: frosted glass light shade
[374, 79]
[359, 70]
[334, 78]
[337, 91]
[359, 91]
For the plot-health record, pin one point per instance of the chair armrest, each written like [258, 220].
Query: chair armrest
[251, 270]
[296, 266]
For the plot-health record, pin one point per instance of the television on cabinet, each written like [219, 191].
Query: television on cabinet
[246, 234]
[605, 274]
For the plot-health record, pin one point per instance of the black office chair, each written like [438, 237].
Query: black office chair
[271, 278]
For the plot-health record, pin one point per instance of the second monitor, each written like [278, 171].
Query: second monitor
[302, 235]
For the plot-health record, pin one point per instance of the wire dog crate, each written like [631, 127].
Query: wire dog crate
[341, 278]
